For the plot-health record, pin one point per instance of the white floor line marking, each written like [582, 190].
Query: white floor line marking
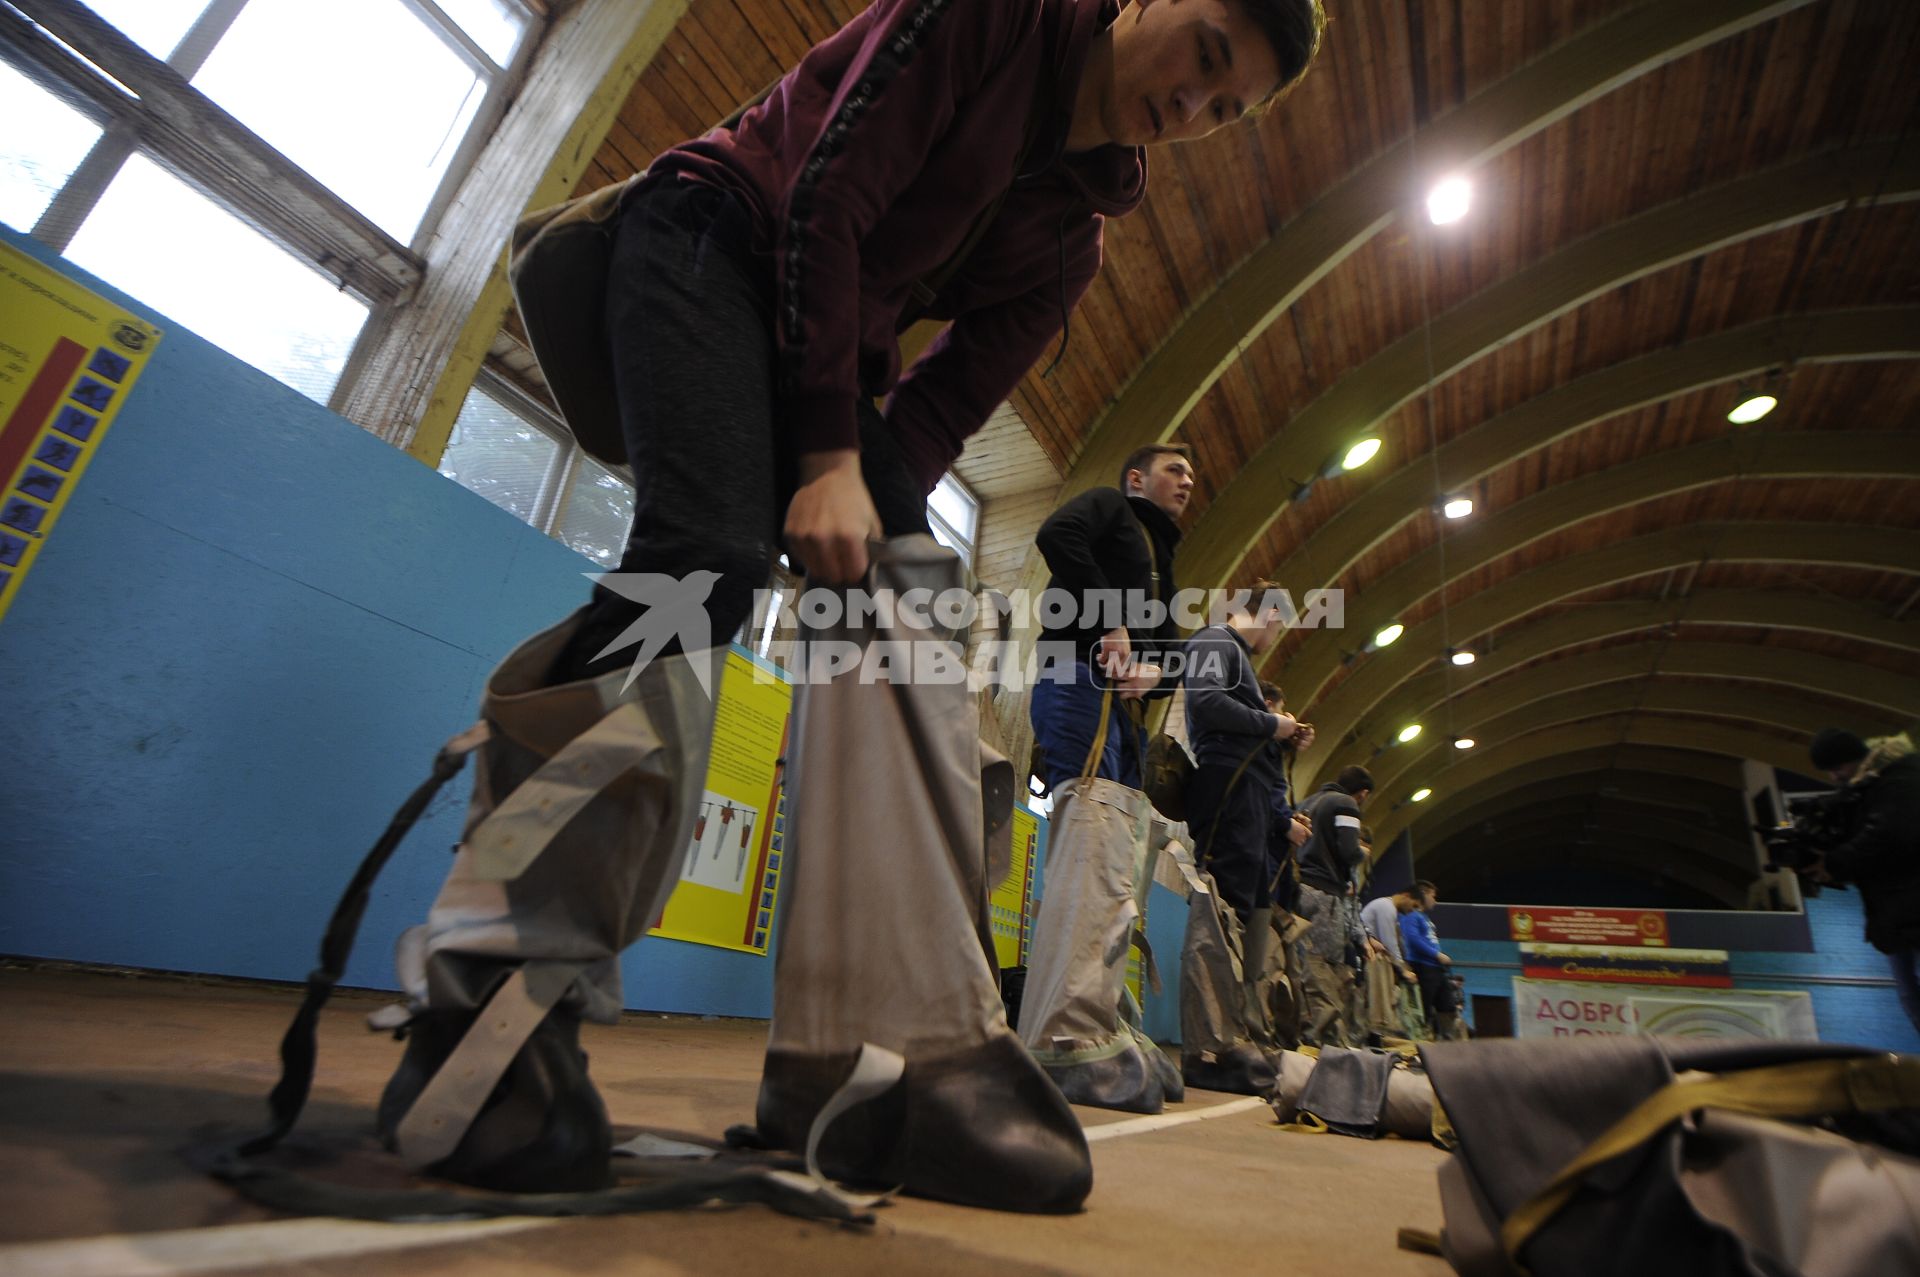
[1140, 1125]
[185, 1251]
[212, 1250]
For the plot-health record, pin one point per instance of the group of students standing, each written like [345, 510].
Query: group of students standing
[1284, 873]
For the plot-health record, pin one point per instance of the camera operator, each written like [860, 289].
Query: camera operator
[1881, 854]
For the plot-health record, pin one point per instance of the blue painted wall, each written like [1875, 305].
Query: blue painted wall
[235, 656]
[239, 650]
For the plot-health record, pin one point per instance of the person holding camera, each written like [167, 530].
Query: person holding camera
[1881, 855]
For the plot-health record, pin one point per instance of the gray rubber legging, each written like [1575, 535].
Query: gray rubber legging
[690, 314]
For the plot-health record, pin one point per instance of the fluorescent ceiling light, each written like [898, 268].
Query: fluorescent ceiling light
[1410, 732]
[1360, 454]
[1752, 409]
[1449, 201]
[1465, 742]
[1389, 634]
[1421, 795]
[1458, 508]
[1464, 657]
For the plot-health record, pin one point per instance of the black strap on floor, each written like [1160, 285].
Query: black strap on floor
[679, 1185]
[298, 1050]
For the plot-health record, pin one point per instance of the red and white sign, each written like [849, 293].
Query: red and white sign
[1545, 925]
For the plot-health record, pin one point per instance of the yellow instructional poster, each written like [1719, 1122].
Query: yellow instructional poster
[68, 357]
[730, 869]
[1010, 907]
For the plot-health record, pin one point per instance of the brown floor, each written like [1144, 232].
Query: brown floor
[104, 1078]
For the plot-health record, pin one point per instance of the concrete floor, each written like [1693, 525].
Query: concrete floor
[105, 1077]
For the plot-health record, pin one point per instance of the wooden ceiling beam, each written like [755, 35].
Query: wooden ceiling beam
[1379, 673]
[1157, 399]
[1389, 813]
[1398, 496]
[1423, 694]
[1872, 174]
[1641, 678]
[1463, 551]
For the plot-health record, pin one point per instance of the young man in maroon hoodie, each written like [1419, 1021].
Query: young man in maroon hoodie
[952, 159]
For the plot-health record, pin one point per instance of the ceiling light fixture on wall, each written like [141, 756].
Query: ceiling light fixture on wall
[1751, 408]
[1448, 202]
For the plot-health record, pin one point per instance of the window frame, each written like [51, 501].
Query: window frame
[145, 103]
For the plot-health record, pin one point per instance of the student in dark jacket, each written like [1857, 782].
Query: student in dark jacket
[1329, 869]
[1230, 797]
[1110, 551]
[1881, 855]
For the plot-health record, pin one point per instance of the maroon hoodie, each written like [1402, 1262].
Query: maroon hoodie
[871, 160]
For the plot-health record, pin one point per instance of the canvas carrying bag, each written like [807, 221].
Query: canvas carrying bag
[1636, 1155]
[1092, 909]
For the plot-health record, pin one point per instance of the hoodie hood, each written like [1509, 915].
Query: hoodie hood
[1111, 178]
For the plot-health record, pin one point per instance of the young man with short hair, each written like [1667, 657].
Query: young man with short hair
[1110, 552]
[1329, 868]
[759, 276]
[1430, 966]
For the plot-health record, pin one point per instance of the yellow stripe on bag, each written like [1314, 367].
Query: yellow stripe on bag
[1808, 1089]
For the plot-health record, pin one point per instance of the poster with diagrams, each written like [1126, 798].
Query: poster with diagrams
[68, 359]
[722, 842]
[730, 868]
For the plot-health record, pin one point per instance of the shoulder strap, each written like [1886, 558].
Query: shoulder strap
[1808, 1089]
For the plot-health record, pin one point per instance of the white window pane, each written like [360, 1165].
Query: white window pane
[598, 511]
[155, 237]
[494, 25]
[154, 25]
[36, 160]
[361, 94]
[498, 455]
[951, 502]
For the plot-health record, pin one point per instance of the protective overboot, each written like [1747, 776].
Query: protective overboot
[1171, 1084]
[1072, 1015]
[1217, 1049]
[584, 797]
[881, 938]
[1257, 944]
[543, 1129]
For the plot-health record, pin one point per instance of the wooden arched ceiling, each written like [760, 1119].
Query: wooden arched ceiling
[1673, 202]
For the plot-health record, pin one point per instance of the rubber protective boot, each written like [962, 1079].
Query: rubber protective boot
[543, 1129]
[1217, 1049]
[584, 798]
[882, 921]
[1072, 1014]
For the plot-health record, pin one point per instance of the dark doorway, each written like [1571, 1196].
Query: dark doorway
[1492, 1017]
